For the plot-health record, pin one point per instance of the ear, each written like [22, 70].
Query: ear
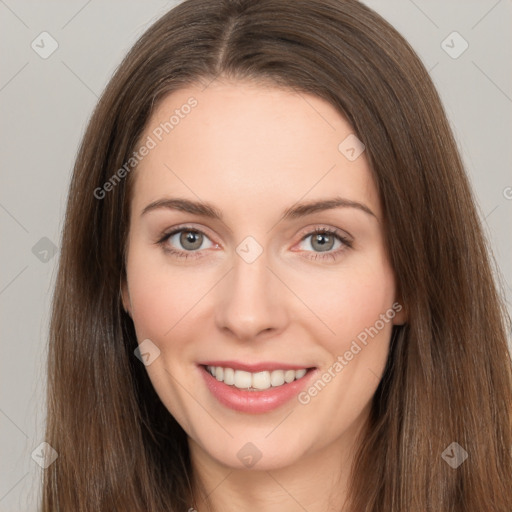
[401, 314]
[125, 297]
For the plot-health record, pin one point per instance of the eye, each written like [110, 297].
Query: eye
[187, 242]
[187, 239]
[324, 240]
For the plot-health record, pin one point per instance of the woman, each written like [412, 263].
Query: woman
[332, 338]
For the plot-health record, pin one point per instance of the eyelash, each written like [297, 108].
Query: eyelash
[318, 255]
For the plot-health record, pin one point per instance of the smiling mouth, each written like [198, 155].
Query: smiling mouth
[255, 381]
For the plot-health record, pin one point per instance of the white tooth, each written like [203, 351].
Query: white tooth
[258, 381]
[261, 380]
[300, 373]
[289, 376]
[277, 378]
[229, 376]
[243, 379]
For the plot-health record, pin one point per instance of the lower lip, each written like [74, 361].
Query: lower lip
[254, 401]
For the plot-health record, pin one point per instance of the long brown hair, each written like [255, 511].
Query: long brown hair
[449, 373]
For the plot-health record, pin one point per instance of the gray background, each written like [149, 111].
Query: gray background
[46, 103]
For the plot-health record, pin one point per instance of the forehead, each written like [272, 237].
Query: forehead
[252, 144]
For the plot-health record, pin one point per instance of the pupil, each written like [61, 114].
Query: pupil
[191, 237]
[323, 240]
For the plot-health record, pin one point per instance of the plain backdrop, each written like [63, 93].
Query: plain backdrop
[46, 103]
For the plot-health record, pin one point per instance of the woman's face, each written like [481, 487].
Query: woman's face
[256, 278]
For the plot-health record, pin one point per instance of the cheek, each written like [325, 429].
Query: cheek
[348, 302]
[160, 298]
[357, 306]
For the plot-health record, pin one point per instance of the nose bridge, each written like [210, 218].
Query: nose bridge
[251, 299]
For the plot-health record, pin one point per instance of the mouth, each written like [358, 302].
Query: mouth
[255, 391]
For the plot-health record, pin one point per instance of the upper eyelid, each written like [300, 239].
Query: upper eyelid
[186, 227]
[338, 231]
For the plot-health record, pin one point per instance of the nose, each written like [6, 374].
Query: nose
[251, 301]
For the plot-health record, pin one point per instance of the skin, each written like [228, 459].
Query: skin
[253, 151]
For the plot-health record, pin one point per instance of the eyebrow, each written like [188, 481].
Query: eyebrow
[296, 211]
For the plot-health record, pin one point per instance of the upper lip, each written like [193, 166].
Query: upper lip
[255, 367]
